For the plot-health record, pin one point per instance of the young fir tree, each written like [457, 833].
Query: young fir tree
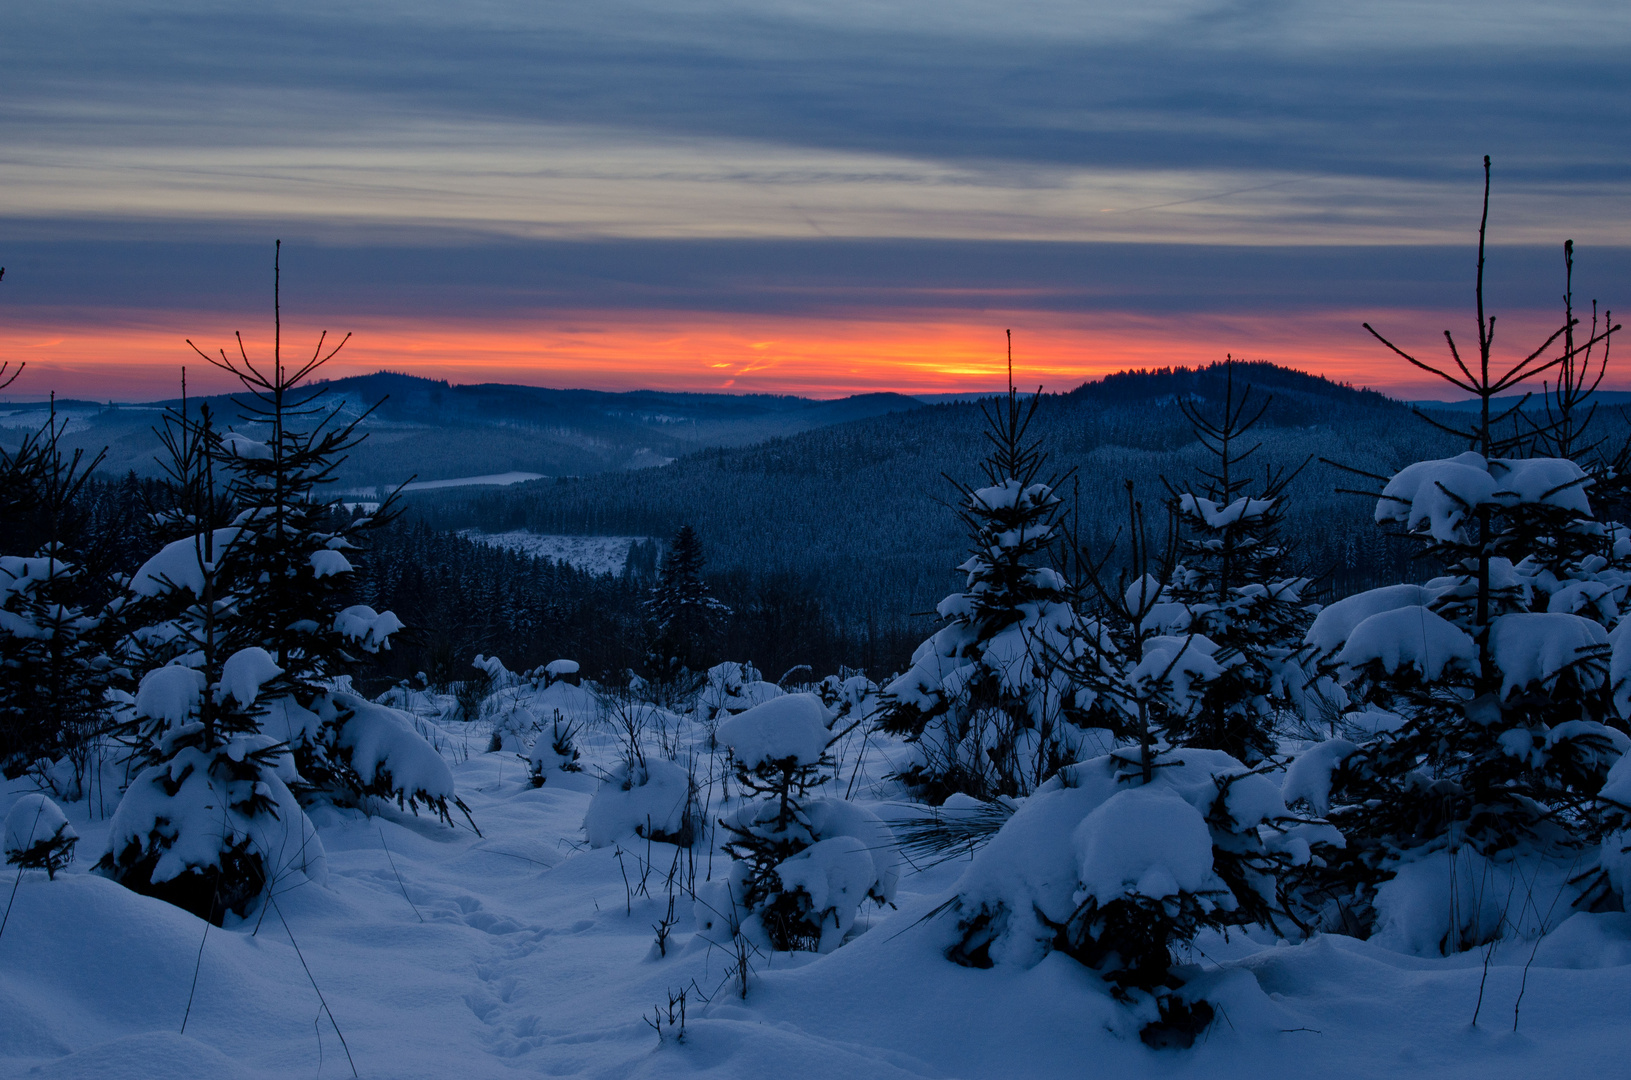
[1161, 839]
[1485, 722]
[292, 547]
[209, 820]
[803, 865]
[56, 630]
[1233, 581]
[291, 544]
[989, 700]
[38, 835]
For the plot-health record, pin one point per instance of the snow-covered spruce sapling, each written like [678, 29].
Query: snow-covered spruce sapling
[803, 866]
[209, 822]
[1120, 861]
[989, 701]
[554, 749]
[57, 625]
[1489, 702]
[1233, 581]
[38, 835]
[291, 543]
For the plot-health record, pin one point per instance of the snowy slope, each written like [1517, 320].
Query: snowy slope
[442, 954]
[595, 554]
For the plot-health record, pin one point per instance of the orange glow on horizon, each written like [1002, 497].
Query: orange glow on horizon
[138, 357]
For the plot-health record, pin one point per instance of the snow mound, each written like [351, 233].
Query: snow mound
[1174, 667]
[368, 628]
[1439, 496]
[1143, 840]
[243, 674]
[1217, 517]
[170, 694]
[327, 563]
[1335, 622]
[34, 820]
[792, 727]
[180, 564]
[647, 799]
[1309, 777]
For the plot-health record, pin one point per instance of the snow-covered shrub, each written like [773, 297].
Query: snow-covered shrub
[846, 693]
[726, 691]
[655, 799]
[1120, 866]
[379, 753]
[554, 749]
[990, 698]
[565, 671]
[804, 866]
[644, 728]
[514, 726]
[38, 836]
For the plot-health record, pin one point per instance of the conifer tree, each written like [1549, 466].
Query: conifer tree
[290, 543]
[1234, 584]
[1485, 721]
[803, 865]
[685, 615]
[55, 628]
[989, 700]
[209, 820]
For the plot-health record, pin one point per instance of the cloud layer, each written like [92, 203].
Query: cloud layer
[803, 160]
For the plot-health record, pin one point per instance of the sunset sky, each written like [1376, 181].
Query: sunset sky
[798, 197]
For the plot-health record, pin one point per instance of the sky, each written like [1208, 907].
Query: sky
[799, 197]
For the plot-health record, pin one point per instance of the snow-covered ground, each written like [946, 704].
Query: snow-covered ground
[596, 554]
[440, 953]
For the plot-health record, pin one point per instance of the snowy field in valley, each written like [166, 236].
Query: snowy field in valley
[595, 554]
[503, 479]
[524, 950]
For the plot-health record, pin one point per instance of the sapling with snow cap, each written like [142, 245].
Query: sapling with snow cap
[804, 866]
[1121, 872]
[38, 835]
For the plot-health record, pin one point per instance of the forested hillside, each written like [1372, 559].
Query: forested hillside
[854, 515]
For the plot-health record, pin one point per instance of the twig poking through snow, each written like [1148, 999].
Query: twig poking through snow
[198, 963]
[398, 874]
[19, 880]
[321, 1000]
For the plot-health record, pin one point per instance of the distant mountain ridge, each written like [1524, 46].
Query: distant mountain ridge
[437, 430]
